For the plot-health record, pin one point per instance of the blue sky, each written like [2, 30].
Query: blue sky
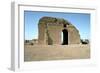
[80, 20]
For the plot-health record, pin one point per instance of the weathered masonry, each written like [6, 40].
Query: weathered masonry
[57, 31]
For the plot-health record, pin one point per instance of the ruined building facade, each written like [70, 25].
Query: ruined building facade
[57, 31]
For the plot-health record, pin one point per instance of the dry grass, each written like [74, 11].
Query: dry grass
[56, 52]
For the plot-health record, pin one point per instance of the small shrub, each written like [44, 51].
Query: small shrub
[86, 41]
[31, 44]
[26, 41]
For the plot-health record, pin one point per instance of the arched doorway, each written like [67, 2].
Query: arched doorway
[65, 37]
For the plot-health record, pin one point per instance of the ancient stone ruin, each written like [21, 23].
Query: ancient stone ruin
[50, 30]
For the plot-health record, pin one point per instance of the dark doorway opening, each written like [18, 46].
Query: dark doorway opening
[65, 37]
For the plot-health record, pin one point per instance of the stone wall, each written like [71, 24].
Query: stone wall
[73, 35]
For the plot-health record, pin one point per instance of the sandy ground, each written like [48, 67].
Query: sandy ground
[56, 52]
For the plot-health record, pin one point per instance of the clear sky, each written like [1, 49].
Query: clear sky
[80, 20]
